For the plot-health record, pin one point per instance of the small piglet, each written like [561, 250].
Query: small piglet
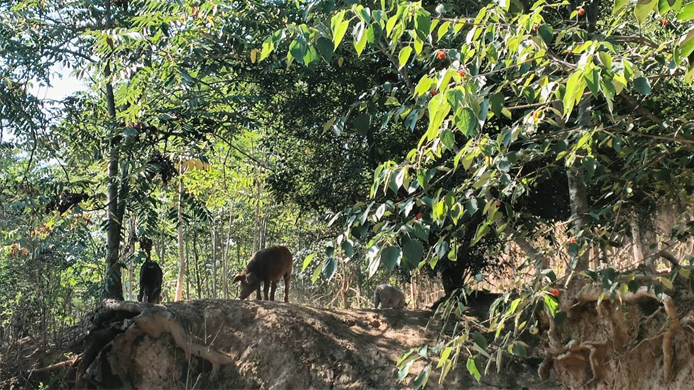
[268, 266]
[388, 297]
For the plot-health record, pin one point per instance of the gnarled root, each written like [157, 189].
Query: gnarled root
[571, 349]
[138, 319]
[670, 309]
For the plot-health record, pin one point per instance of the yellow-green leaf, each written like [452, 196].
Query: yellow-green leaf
[643, 9]
[687, 12]
[404, 55]
[268, 47]
[339, 28]
[307, 261]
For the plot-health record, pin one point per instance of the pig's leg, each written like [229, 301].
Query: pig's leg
[286, 287]
[257, 294]
[273, 287]
[266, 287]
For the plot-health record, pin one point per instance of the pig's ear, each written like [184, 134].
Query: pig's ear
[251, 278]
[238, 278]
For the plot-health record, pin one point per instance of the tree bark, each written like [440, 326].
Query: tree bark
[196, 258]
[113, 286]
[225, 277]
[181, 248]
[188, 272]
[131, 250]
[579, 208]
[214, 260]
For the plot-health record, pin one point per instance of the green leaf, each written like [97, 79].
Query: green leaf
[479, 339]
[268, 47]
[413, 250]
[547, 33]
[362, 123]
[359, 38]
[574, 92]
[438, 111]
[374, 259]
[687, 43]
[325, 48]
[390, 257]
[663, 6]
[642, 86]
[373, 33]
[405, 56]
[339, 28]
[618, 6]
[443, 30]
[593, 81]
[423, 86]
[421, 379]
[482, 230]
[687, 12]
[643, 9]
[444, 356]
[466, 120]
[422, 232]
[329, 267]
[316, 274]
[311, 56]
[307, 261]
[448, 139]
[422, 23]
[519, 349]
[551, 304]
[472, 368]
[405, 370]
[497, 103]
[298, 48]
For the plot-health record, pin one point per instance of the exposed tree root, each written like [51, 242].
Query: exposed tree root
[55, 366]
[558, 352]
[157, 320]
[572, 349]
[153, 321]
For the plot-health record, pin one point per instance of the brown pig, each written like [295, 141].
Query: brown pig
[268, 266]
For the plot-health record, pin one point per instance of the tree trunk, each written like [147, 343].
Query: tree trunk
[113, 287]
[131, 250]
[196, 258]
[181, 248]
[225, 278]
[579, 209]
[188, 272]
[214, 260]
[238, 252]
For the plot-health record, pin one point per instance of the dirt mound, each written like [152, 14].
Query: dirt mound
[245, 344]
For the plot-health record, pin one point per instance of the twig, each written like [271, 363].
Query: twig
[401, 70]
